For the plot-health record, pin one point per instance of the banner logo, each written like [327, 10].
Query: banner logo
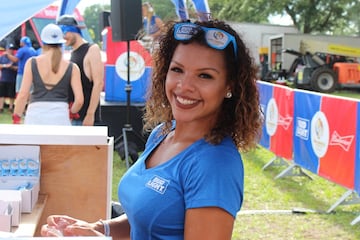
[285, 121]
[319, 134]
[158, 184]
[272, 116]
[344, 142]
[302, 128]
[136, 65]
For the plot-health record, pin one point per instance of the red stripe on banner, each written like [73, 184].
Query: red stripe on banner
[115, 49]
[338, 163]
[281, 143]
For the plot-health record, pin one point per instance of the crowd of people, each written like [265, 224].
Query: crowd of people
[45, 88]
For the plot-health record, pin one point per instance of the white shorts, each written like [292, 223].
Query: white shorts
[47, 113]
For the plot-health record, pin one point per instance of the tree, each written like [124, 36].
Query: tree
[92, 16]
[318, 16]
[164, 9]
[309, 16]
[340, 17]
[241, 10]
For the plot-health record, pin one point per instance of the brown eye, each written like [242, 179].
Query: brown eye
[205, 75]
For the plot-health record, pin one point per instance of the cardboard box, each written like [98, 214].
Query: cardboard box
[12, 198]
[6, 212]
[20, 171]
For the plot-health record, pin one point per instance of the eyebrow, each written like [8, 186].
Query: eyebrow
[201, 69]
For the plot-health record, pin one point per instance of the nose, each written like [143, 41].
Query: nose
[186, 82]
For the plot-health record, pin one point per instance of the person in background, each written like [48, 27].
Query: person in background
[51, 77]
[88, 57]
[203, 113]
[8, 78]
[152, 24]
[25, 52]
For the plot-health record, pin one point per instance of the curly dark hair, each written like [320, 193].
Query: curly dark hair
[240, 116]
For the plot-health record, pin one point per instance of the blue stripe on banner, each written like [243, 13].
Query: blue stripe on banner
[62, 8]
[266, 93]
[357, 153]
[304, 154]
[202, 9]
[67, 7]
[180, 8]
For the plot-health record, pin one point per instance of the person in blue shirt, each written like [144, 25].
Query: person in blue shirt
[8, 78]
[152, 25]
[203, 108]
[25, 52]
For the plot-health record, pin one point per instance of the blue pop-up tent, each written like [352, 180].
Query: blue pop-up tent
[15, 12]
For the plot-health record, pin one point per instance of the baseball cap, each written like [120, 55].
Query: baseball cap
[68, 20]
[52, 34]
[11, 46]
[26, 40]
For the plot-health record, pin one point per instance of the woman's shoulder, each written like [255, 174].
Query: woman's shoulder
[225, 150]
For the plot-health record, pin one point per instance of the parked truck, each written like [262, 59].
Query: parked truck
[315, 62]
[325, 66]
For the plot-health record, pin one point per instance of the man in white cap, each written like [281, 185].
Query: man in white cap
[88, 57]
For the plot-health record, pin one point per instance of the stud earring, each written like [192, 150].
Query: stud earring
[228, 95]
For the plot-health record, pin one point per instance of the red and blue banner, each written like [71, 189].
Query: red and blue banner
[277, 105]
[116, 70]
[321, 133]
[324, 141]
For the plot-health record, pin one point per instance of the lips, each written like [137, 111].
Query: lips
[185, 102]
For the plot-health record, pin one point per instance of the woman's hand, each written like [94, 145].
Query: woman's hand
[61, 225]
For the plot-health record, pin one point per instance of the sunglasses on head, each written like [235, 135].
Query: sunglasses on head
[215, 38]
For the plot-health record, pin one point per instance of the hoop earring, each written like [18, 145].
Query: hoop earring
[228, 95]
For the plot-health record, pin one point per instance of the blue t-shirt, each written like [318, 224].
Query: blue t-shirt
[202, 175]
[7, 74]
[150, 28]
[23, 54]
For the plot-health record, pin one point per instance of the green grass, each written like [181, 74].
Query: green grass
[5, 117]
[263, 192]
[348, 93]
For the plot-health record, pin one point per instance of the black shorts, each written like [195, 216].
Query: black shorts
[7, 89]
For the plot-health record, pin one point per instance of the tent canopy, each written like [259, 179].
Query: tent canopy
[15, 12]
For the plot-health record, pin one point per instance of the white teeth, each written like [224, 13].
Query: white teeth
[185, 101]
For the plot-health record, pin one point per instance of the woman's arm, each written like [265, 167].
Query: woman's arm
[119, 227]
[210, 223]
[24, 92]
[77, 89]
[96, 70]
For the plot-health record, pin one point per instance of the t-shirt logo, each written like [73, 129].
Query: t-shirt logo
[158, 184]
